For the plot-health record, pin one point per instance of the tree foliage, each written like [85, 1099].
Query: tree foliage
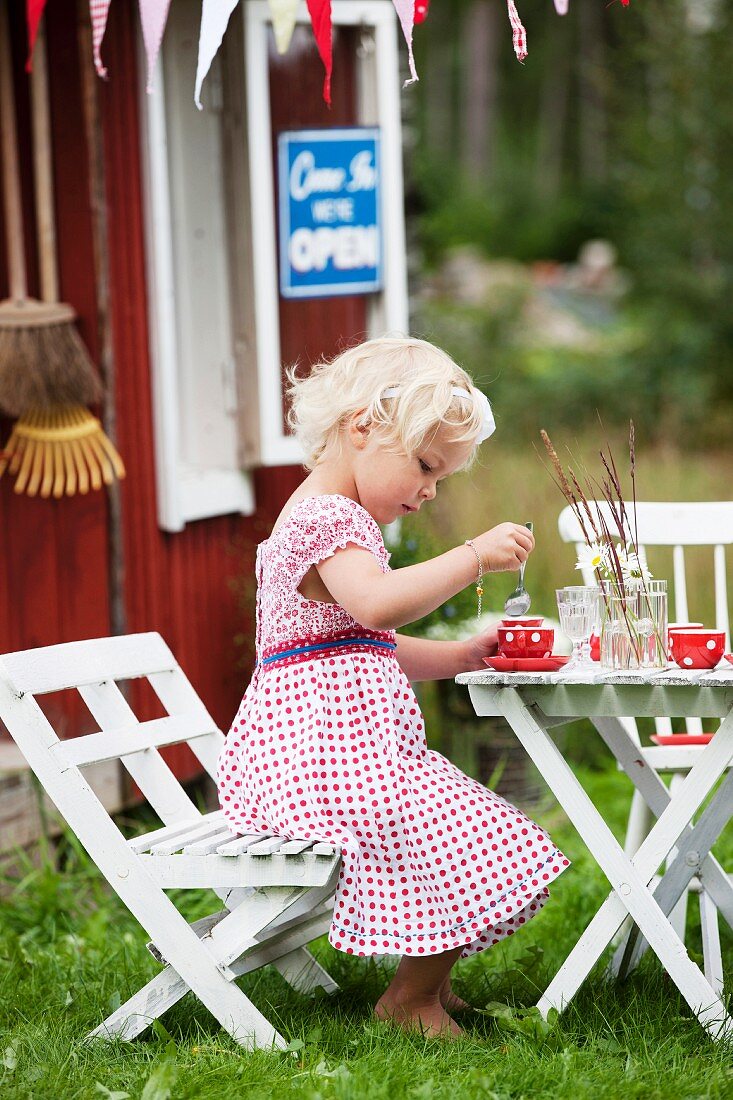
[618, 126]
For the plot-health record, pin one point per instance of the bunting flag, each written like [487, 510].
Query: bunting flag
[283, 22]
[421, 10]
[33, 13]
[153, 16]
[320, 13]
[99, 10]
[561, 6]
[214, 19]
[406, 11]
[519, 35]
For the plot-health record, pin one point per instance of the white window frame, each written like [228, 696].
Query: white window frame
[185, 492]
[378, 105]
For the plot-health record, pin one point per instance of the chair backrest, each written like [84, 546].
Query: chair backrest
[92, 668]
[679, 525]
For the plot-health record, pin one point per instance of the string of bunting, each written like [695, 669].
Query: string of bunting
[215, 16]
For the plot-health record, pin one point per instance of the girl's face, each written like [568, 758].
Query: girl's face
[391, 485]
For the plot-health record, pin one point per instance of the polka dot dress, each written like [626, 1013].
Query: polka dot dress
[329, 744]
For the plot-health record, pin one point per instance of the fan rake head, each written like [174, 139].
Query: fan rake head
[61, 451]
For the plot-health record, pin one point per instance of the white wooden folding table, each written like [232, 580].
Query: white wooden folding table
[533, 703]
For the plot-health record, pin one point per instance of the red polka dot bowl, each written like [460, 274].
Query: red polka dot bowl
[681, 626]
[697, 648]
[525, 641]
[522, 620]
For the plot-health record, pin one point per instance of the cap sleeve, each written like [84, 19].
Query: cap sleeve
[323, 525]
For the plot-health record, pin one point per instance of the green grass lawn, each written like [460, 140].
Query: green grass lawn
[70, 953]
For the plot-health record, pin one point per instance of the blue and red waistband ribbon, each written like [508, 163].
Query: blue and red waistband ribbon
[303, 649]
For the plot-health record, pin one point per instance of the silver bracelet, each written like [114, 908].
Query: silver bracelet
[480, 576]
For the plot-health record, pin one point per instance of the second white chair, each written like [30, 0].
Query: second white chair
[679, 526]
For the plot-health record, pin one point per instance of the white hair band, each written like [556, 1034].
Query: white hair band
[488, 426]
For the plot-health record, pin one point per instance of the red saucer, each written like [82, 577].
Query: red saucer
[681, 738]
[527, 664]
[728, 657]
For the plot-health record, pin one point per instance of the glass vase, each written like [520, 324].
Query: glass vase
[633, 625]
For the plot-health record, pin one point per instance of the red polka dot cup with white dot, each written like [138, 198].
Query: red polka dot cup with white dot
[519, 641]
[697, 648]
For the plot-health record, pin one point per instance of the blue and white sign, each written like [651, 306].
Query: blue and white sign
[330, 204]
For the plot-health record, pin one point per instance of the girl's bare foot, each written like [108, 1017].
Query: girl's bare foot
[428, 1016]
[450, 1001]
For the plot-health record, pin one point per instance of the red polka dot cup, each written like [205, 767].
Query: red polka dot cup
[520, 641]
[681, 626]
[697, 648]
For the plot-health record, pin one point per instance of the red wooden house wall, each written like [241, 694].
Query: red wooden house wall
[54, 559]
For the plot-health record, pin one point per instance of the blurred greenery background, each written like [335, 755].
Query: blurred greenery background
[612, 129]
[571, 244]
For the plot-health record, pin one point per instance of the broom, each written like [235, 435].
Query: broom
[46, 374]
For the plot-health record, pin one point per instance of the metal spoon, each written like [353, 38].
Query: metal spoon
[517, 603]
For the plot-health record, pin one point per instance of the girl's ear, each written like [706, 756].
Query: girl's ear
[357, 430]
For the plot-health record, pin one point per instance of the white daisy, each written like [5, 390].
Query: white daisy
[631, 567]
[594, 556]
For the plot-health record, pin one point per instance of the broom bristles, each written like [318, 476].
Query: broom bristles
[44, 367]
[61, 452]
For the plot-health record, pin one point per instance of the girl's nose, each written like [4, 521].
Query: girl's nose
[428, 492]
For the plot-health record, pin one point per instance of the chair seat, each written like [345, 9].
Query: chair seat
[203, 852]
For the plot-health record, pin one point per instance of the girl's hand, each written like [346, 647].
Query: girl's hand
[504, 548]
[481, 645]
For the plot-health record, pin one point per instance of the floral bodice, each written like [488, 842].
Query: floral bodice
[314, 529]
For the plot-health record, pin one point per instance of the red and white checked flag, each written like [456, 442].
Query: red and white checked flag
[519, 35]
[406, 11]
[153, 16]
[98, 10]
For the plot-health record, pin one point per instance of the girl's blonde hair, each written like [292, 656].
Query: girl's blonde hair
[356, 380]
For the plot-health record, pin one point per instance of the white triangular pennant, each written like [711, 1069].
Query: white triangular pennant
[153, 16]
[214, 19]
[283, 22]
[406, 11]
[98, 10]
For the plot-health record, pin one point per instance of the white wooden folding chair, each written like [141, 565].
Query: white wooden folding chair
[276, 893]
[678, 525]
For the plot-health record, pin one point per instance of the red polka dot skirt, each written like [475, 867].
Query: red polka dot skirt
[329, 744]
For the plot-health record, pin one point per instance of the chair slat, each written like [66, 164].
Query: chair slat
[151, 773]
[113, 744]
[72, 664]
[266, 847]
[142, 843]
[721, 594]
[178, 697]
[323, 849]
[295, 847]
[681, 613]
[239, 845]
[209, 844]
[200, 831]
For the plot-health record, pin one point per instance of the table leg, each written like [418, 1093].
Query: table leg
[712, 876]
[691, 852]
[628, 878]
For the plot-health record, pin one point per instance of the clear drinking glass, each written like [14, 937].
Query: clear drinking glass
[578, 608]
[634, 628]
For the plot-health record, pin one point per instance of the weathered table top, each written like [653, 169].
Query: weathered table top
[671, 676]
[672, 691]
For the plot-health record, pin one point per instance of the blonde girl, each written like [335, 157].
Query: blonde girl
[329, 742]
